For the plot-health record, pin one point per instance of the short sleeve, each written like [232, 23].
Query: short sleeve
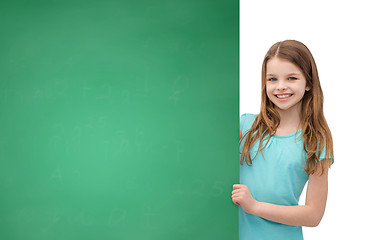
[323, 155]
[242, 120]
[246, 121]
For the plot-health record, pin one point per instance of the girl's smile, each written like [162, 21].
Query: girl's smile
[283, 97]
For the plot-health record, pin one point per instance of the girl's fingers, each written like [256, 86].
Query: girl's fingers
[236, 191]
[235, 200]
[237, 186]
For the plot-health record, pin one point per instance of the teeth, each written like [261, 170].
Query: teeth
[283, 96]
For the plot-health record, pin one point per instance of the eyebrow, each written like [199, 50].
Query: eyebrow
[295, 74]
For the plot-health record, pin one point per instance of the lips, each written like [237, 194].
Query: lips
[284, 95]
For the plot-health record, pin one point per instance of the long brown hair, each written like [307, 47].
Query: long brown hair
[315, 130]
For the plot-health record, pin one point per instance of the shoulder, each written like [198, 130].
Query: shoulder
[246, 120]
[248, 116]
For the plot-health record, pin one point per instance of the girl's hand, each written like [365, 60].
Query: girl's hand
[241, 196]
[240, 134]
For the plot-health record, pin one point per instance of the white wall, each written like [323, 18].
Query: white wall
[345, 40]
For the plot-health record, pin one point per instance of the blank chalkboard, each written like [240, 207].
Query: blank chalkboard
[118, 119]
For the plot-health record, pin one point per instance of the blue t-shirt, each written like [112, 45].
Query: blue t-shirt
[277, 177]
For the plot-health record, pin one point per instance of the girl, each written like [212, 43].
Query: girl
[286, 144]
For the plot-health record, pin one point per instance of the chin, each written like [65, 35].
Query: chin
[287, 107]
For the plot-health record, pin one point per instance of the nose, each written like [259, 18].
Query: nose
[282, 86]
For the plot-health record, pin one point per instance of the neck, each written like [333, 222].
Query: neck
[289, 120]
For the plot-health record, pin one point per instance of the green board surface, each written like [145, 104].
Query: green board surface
[119, 119]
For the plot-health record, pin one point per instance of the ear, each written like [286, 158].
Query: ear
[308, 88]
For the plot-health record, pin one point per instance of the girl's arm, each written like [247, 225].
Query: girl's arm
[309, 214]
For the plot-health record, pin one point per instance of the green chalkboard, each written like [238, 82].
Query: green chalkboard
[118, 119]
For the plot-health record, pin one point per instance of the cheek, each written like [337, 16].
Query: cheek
[268, 91]
[300, 94]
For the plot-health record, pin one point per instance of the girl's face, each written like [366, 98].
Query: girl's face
[285, 84]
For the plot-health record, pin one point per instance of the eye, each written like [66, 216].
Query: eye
[292, 78]
[271, 79]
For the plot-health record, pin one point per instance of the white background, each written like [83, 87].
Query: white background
[345, 40]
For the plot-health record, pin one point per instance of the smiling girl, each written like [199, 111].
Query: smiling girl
[287, 144]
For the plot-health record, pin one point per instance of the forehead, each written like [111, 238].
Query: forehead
[279, 66]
